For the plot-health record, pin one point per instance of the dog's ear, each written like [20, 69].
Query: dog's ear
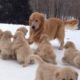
[43, 18]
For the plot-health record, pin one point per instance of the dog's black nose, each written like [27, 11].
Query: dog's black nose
[33, 27]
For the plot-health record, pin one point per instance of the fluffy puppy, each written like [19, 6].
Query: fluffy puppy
[23, 29]
[21, 48]
[71, 54]
[45, 50]
[48, 71]
[53, 27]
[5, 45]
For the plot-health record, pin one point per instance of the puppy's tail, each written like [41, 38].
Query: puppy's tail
[37, 59]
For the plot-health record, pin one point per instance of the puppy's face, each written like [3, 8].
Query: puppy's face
[36, 20]
[66, 74]
[69, 44]
[23, 29]
[18, 34]
[7, 34]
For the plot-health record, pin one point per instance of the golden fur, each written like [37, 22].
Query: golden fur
[23, 29]
[5, 45]
[45, 50]
[71, 24]
[47, 71]
[21, 48]
[71, 54]
[53, 27]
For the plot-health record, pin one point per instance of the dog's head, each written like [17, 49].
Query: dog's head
[23, 29]
[66, 74]
[36, 20]
[69, 44]
[7, 35]
[18, 34]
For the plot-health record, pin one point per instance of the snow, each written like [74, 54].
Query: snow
[11, 70]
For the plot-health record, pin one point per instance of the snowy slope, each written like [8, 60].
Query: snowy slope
[11, 70]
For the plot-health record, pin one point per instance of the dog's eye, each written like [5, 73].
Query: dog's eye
[36, 20]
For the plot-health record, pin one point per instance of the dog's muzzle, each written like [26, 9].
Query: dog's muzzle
[33, 27]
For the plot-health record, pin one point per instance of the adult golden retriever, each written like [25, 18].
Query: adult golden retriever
[53, 27]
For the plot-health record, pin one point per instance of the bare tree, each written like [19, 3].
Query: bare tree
[57, 8]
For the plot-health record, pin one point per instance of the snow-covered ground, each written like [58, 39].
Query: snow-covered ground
[11, 70]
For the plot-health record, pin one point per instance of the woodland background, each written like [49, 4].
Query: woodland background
[18, 11]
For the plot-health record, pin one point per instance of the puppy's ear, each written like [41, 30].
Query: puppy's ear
[65, 47]
[25, 31]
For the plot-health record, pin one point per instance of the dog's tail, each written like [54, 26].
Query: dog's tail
[37, 59]
[71, 24]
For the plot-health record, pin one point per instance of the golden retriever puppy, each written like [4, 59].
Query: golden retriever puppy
[53, 27]
[21, 48]
[5, 45]
[23, 29]
[71, 54]
[47, 71]
[45, 50]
